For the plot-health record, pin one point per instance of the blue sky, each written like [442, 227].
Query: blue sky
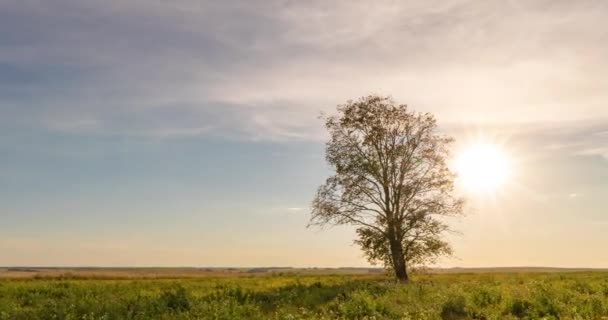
[187, 133]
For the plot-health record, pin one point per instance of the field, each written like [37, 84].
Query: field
[234, 294]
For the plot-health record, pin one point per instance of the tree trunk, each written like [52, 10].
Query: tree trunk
[398, 260]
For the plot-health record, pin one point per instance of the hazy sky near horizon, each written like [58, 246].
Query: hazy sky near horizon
[186, 133]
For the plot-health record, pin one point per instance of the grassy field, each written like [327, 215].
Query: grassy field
[238, 295]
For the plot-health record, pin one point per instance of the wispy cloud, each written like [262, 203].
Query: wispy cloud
[584, 138]
[599, 151]
[263, 70]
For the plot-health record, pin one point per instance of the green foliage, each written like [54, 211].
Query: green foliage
[519, 308]
[454, 308]
[175, 299]
[427, 296]
[485, 297]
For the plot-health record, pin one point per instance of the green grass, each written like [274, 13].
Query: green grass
[439, 296]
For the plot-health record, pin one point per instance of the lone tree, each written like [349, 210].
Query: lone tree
[391, 181]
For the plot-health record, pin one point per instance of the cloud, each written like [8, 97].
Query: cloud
[582, 138]
[599, 151]
[262, 70]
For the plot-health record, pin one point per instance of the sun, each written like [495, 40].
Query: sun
[482, 168]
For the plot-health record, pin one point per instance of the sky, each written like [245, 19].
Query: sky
[187, 133]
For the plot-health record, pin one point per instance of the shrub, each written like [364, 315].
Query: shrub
[175, 299]
[454, 308]
[519, 308]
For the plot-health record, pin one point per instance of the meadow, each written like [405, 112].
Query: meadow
[277, 295]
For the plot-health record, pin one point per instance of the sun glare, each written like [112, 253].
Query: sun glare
[482, 168]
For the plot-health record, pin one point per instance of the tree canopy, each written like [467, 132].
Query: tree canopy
[391, 180]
